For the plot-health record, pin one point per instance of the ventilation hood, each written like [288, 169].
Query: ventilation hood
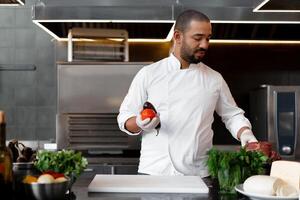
[153, 19]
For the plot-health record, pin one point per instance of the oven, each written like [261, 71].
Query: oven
[88, 100]
[275, 117]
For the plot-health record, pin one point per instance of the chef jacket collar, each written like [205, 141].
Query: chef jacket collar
[175, 63]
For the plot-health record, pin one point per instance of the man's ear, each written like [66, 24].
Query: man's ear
[177, 36]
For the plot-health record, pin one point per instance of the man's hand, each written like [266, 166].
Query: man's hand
[246, 137]
[147, 124]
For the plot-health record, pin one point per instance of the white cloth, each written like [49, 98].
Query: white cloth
[186, 100]
[246, 137]
[147, 124]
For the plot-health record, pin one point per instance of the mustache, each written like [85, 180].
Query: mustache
[201, 50]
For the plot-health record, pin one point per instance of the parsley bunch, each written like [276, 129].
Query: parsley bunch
[67, 162]
[231, 168]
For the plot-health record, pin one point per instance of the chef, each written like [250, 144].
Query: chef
[185, 93]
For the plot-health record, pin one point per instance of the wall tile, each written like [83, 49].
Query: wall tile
[7, 37]
[7, 96]
[23, 17]
[25, 38]
[46, 96]
[43, 39]
[26, 116]
[7, 55]
[7, 17]
[25, 55]
[26, 133]
[25, 96]
[45, 134]
[46, 75]
[12, 132]
[25, 78]
[7, 79]
[46, 117]
[45, 55]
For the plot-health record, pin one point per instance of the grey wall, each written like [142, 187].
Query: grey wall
[27, 96]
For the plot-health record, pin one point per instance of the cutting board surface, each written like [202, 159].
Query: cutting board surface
[147, 184]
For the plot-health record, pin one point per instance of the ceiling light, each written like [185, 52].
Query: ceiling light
[171, 31]
[21, 2]
[260, 5]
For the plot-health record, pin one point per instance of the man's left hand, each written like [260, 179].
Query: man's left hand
[246, 137]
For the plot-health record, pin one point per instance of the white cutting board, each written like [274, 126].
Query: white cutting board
[147, 184]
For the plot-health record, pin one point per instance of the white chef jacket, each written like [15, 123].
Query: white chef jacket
[185, 100]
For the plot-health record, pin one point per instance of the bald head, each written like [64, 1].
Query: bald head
[184, 19]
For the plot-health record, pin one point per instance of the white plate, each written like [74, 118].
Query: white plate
[253, 196]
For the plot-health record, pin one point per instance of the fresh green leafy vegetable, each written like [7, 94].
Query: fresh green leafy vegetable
[67, 162]
[231, 168]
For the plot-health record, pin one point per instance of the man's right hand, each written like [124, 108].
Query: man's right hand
[147, 124]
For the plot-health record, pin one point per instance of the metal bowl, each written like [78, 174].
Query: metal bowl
[47, 191]
[20, 170]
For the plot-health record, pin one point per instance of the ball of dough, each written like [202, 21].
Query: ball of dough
[262, 184]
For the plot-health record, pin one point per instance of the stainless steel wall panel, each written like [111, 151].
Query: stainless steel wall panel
[93, 88]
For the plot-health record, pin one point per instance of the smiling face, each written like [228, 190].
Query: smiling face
[192, 44]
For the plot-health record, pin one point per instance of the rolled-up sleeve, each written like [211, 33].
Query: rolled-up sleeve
[134, 100]
[232, 116]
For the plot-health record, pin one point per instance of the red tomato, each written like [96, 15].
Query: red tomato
[148, 113]
[54, 174]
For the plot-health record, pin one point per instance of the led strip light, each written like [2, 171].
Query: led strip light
[9, 4]
[20, 2]
[170, 34]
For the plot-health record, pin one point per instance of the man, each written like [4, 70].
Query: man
[185, 92]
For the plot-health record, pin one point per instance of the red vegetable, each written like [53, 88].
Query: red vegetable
[148, 113]
[265, 148]
[54, 174]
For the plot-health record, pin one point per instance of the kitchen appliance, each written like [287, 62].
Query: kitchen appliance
[148, 184]
[275, 115]
[97, 44]
[89, 97]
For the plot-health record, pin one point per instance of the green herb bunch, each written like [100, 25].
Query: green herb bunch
[231, 168]
[67, 162]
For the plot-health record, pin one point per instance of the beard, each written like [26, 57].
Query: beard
[189, 56]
